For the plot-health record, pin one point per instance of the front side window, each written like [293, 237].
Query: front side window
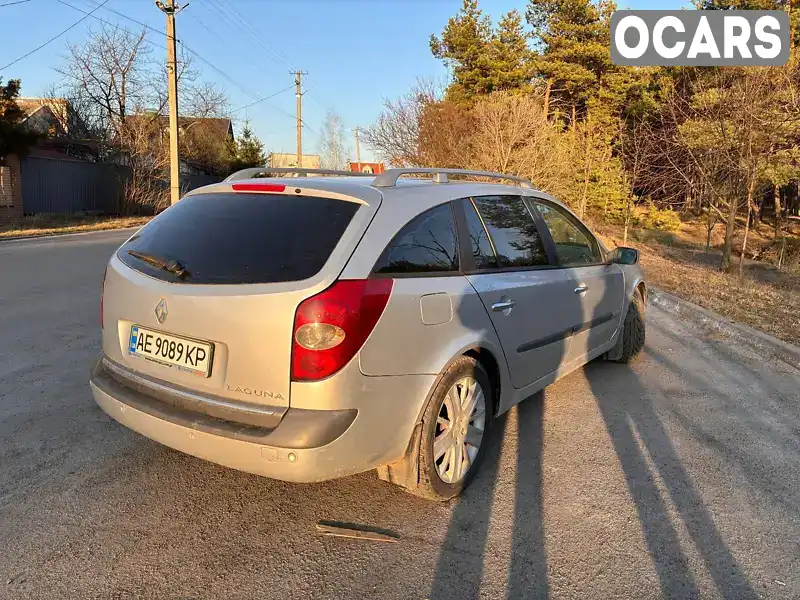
[574, 245]
[427, 244]
[513, 231]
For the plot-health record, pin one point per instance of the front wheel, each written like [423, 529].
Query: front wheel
[454, 431]
[633, 330]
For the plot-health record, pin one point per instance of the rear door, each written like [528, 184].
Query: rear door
[599, 285]
[222, 273]
[532, 305]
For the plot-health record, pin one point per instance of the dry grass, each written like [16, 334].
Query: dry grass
[764, 297]
[43, 225]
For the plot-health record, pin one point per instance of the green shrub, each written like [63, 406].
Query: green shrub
[656, 218]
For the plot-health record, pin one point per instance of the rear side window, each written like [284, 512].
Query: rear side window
[232, 238]
[427, 244]
[574, 245]
[479, 240]
[512, 230]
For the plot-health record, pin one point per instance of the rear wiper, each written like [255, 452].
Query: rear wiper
[167, 264]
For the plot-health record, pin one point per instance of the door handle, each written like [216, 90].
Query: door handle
[581, 289]
[504, 305]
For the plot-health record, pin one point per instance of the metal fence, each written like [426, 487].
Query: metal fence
[56, 185]
[64, 185]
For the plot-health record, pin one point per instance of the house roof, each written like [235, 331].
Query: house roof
[221, 128]
[31, 106]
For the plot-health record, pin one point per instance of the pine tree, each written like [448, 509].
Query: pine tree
[464, 47]
[483, 59]
[248, 150]
[13, 137]
[511, 58]
[572, 37]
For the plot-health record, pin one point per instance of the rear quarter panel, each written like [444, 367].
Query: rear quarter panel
[427, 323]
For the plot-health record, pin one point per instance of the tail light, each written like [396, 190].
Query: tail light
[331, 327]
[102, 293]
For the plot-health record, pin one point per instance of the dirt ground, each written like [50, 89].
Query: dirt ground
[42, 225]
[764, 297]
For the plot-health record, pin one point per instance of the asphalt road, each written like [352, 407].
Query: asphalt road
[678, 477]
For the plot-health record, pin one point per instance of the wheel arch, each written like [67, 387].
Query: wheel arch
[489, 362]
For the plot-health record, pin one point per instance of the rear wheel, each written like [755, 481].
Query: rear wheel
[633, 331]
[453, 432]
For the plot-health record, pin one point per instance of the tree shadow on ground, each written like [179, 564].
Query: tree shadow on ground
[640, 440]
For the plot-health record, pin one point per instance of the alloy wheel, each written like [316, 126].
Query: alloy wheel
[459, 430]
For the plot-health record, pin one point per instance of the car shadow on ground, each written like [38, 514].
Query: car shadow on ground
[460, 566]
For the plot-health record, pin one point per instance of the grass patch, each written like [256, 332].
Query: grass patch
[43, 225]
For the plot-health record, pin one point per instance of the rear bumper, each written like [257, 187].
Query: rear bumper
[304, 445]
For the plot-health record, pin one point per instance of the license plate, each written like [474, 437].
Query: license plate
[185, 355]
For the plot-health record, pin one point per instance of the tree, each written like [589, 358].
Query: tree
[118, 93]
[109, 77]
[572, 37]
[334, 153]
[730, 131]
[483, 59]
[248, 150]
[204, 100]
[510, 134]
[395, 135]
[464, 47]
[13, 137]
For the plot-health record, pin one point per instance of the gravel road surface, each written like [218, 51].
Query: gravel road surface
[677, 477]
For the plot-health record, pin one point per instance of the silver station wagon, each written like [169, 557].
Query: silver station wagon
[317, 324]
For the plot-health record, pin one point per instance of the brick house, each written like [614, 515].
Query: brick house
[10, 188]
[368, 167]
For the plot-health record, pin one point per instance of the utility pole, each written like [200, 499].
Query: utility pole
[358, 150]
[298, 79]
[168, 8]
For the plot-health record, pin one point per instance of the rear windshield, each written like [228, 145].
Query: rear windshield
[232, 238]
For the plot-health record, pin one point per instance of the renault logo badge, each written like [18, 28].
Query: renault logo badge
[161, 310]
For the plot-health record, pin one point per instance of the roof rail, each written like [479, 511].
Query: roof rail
[389, 178]
[255, 171]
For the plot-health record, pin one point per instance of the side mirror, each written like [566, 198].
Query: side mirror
[622, 255]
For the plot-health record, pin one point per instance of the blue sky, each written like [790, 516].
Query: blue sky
[356, 52]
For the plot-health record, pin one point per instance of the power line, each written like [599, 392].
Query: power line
[226, 44]
[276, 52]
[221, 72]
[158, 31]
[242, 25]
[188, 49]
[54, 38]
[12, 3]
[144, 39]
[131, 19]
[262, 100]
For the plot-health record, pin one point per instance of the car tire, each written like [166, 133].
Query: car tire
[633, 330]
[429, 483]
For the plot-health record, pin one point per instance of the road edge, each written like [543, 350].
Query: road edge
[50, 236]
[753, 338]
